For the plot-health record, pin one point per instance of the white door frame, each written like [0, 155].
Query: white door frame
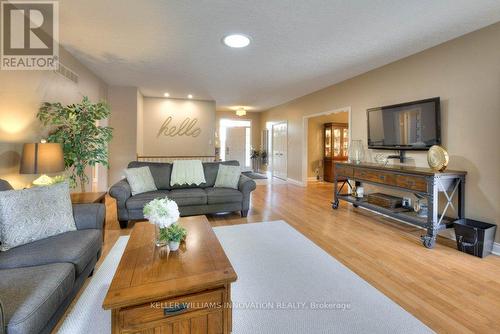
[305, 129]
[272, 148]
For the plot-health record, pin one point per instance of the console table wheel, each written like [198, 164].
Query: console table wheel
[429, 241]
[335, 205]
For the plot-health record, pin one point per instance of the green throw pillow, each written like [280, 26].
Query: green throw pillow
[140, 180]
[228, 177]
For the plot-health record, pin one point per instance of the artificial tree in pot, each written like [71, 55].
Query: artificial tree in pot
[84, 142]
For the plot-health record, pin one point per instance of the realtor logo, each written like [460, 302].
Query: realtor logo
[29, 35]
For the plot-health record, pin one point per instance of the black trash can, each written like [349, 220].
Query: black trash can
[474, 237]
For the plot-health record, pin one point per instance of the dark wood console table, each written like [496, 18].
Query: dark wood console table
[422, 181]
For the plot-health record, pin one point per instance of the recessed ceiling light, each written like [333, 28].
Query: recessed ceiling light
[166, 94]
[236, 40]
[190, 96]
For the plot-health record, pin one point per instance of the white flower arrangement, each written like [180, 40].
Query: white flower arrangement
[162, 212]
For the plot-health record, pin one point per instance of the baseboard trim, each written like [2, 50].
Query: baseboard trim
[496, 248]
[295, 182]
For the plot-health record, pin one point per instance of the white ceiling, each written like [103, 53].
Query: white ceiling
[298, 46]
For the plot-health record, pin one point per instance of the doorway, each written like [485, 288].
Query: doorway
[235, 139]
[279, 150]
[315, 164]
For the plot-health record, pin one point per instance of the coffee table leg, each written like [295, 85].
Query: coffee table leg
[115, 328]
[228, 310]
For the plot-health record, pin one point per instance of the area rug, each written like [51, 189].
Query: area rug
[254, 175]
[286, 284]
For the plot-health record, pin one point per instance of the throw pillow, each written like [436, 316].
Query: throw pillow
[228, 177]
[32, 214]
[140, 180]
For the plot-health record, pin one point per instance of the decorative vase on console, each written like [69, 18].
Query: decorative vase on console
[356, 151]
[164, 214]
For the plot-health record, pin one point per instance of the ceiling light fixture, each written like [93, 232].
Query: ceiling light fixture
[236, 40]
[166, 94]
[190, 96]
[241, 112]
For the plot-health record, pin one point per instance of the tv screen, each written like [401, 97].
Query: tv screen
[411, 126]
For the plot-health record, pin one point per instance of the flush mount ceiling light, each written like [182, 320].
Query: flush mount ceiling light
[190, 96]
[241, 112]
[236, 40]
[166, 94]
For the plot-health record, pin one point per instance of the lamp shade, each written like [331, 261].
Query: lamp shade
[42, 158]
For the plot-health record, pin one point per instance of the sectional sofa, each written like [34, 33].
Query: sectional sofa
[39, 280]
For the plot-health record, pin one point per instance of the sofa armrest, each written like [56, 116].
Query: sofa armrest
[89, 216]
[121, 191]
[246, 184]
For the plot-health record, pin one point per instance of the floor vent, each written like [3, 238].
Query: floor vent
[67, 73]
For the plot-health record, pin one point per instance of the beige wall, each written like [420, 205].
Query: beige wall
[137, 120]
[21, 94]
[123, 148]
[140, 123]
[315, 139]
[464, 72]
[250, 116]
[157, 110]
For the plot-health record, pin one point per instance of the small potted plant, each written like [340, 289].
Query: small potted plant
[173, 235]
[163, 213]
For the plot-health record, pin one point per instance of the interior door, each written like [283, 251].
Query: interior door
[235, 144]
[280, 144]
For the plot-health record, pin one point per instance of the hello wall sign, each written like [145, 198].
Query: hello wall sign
[186, 128]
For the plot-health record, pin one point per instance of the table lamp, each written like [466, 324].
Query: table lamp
[42, 158]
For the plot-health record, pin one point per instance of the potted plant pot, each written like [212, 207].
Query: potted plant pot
[173, 245]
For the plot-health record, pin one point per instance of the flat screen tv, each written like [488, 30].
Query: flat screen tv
[406, 126]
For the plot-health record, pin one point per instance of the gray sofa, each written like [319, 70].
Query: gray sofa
[39, 280]
[192, 200]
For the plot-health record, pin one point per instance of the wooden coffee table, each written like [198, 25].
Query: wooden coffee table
[157, 291]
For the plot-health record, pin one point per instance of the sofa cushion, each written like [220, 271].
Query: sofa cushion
[223, 195]
[191, 196]
[138, 201]
[212, 168]
[140, 180]
[160, 170]
[228, 177]
[33, 214]
[76, 247]
[32, 295]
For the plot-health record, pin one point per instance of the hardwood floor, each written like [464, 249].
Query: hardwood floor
[451, 292]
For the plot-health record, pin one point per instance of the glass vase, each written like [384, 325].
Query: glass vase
[158, 241]
[356, 151]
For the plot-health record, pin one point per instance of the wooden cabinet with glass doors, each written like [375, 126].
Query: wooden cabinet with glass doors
[336, 144]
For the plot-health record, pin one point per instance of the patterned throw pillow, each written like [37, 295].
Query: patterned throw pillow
[228, 177]
[32, 214]
[140, 180]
